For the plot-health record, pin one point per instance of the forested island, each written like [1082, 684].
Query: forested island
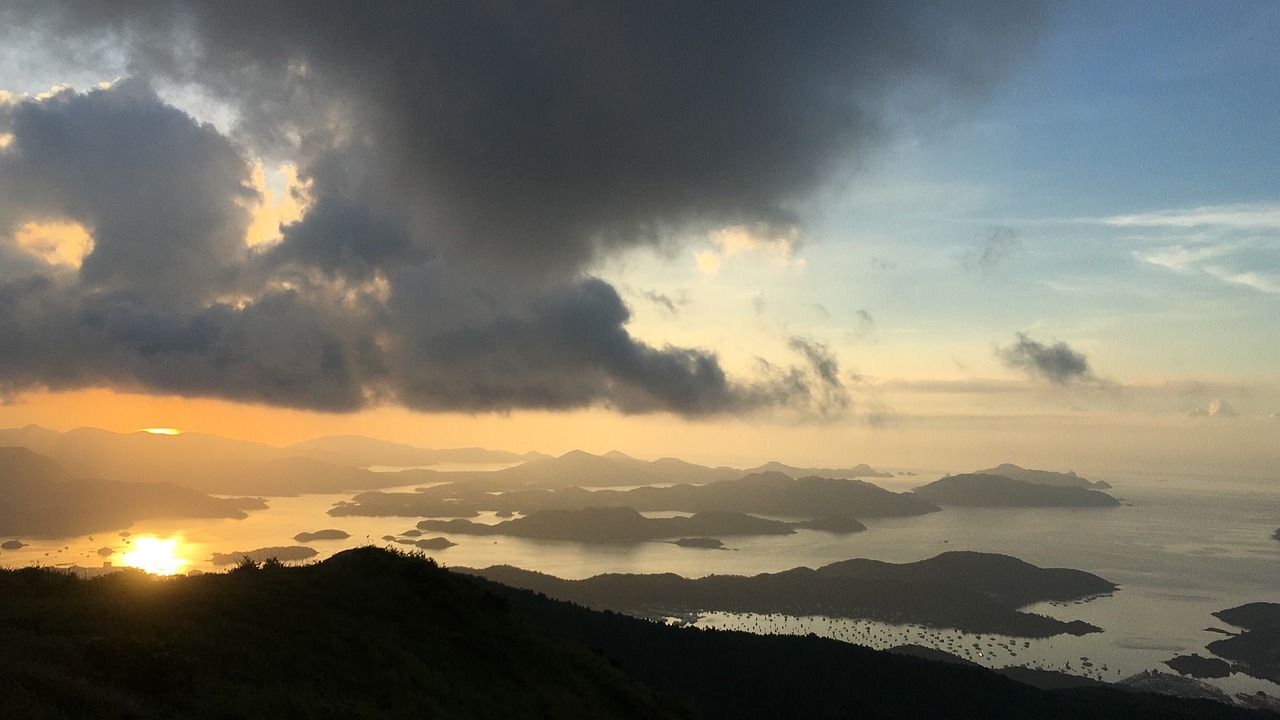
[972, 592]
[1256, 650]
[624, 525]
[773, 493]
[987, 490]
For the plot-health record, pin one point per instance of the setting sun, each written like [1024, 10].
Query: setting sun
[162, 431]
[154, 555]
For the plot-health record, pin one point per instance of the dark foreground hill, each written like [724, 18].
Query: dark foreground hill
[373, 634]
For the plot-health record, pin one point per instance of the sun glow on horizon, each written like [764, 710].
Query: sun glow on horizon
[162, 431]
[154, 555]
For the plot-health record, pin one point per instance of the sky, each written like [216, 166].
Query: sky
[933, 235]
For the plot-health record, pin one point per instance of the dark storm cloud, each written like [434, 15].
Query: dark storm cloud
[278, 350]
[830, 397]
[546, 132]
[1056, 363]
[163, 195]
[466, 163]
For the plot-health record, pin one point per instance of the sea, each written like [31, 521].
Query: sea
[1180, 547]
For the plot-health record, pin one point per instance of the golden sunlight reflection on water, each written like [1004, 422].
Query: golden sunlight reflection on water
[155, 555]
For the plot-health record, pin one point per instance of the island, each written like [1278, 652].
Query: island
[972, 592]
[767, 493]
[1199, 667]
[1044, 477]
[860, 470]
[983, 490]
[1256, 650]
[701, 542]
[436, 543]
[615, 525]
[329, 534]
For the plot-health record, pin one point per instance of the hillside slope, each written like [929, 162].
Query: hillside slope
[374, 634]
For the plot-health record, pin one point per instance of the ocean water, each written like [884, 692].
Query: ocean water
[1179, 547]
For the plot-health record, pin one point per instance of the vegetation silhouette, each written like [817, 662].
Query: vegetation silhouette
[276, 554]
[375, 633]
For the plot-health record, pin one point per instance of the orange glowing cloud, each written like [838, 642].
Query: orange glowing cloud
[64, 244]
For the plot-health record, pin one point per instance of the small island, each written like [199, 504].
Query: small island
[701, 542]
[436, 543]
[1199, 667]
[329, 534]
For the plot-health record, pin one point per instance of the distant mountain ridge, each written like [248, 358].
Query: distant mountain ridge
[981, 490]
[1043, 477]
[218, 465]
[578, 468]
[860, 470]
[40, 497]
[338, 463]
[360, 451]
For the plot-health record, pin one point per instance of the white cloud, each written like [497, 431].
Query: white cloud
[776, 244]
[1180, 258]
[1261, 281]
[1234, 244]
[1218, 408]
[1244, 216]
